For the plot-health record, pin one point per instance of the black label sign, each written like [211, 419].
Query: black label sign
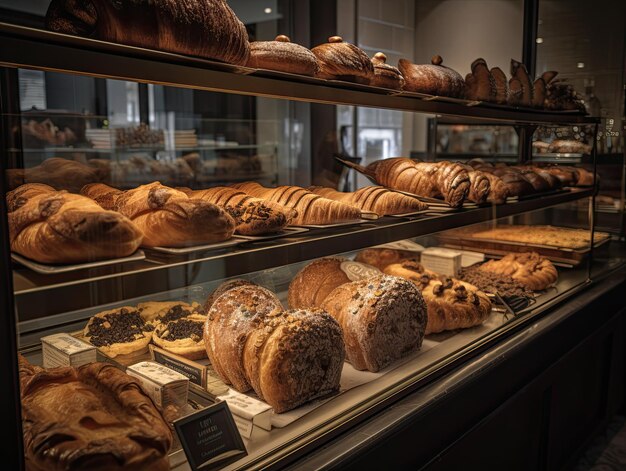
[193, 373]
[210, 438]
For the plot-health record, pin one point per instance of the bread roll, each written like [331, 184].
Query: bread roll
[385, 75]
[343, 61]
[93, 417]
[51, 226]
[202, 28]
[167, 217]
[283, 55]
[382, 318]
[432, 79]
[314, 282]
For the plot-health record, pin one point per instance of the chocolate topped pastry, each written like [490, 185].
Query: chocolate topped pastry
[182, 336]
[343, 61]
[283, 55]
[119, 331]
[385, 75]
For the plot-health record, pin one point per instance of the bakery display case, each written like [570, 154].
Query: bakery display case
[171, 265]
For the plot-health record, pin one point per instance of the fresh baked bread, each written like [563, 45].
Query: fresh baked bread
[382, 318]
[497, 190]
[382, 257]
[230, 321]
[309, 207]
[61, 174]
[530, 269]
[385, 75]
[374, 199]
[167, 217]
[432, 79]
[182, 336]
[283, 55]
[563, 237]
[311, 285]
[480, 85]
[94, 417]
[343, 61]
[203, 28]
[221, 289]
[294, 357]
[451, 304]
[121, 331]
[444, 180]
[502, 85]
[521, 85]
[51, 226]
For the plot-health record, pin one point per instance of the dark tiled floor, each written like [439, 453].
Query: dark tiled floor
[608, 451]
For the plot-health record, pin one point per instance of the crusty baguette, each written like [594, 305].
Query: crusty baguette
[382, 319]
[311, 208]
[51, 226]
[430, 179]
[167, 217]
[376, 199]
[253, 216]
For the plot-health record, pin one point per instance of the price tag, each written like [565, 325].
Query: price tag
[210, 438]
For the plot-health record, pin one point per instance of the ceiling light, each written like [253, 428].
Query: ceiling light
[539, 40]
[268, 11]
[580, 65]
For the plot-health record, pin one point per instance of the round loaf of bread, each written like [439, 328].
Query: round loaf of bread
[530, 269]
[182, 336]
[383, 319]
[283, 55]
[221, 289]
[294, 357]
[432, 79]
[314, 282]
[385, 75]
[230, 321]
[343, 61]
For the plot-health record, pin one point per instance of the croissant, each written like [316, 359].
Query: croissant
[167, 217]
[253, 216]
[429, 179]
[494, 191]
[311, 208]
[51, 226]
[375, 199]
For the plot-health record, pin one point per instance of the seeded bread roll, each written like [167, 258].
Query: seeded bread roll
[343, 61]
[202, 28]
[314, 282]
[283, 55]
[182, 336]
[385, 75]
[94, 417]
[432, 79]
[382, 319]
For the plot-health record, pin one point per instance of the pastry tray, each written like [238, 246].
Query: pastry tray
[235, 240]
[45, 269]
[286, 232]
[339, 224]
[408, 215]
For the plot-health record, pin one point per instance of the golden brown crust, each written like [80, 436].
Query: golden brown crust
[480, 84]
[382, 319]
[59, 227]
[542, 235]
[167, 217]
[283, 55]
[221, 289]
[385, 75]
[432, 79]
[61, 174]
[501, 84]
[530, 269]
[177, 337]
[375, 199]
[343, 61]
[203, 28]
[382, 257]
[94, 417]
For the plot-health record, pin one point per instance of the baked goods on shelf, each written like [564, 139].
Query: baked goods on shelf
[445, 180]
[562, 237]
[521, 87]
[495, 283]
[571, 176]
[569, 146]
[61, 174]
[380, 257]
[202, 28]
[253, 216]
[121, 331]
[432, 79]
[529, 268]
[283, 55]
[561, 95]
[182, 336]
[343, 61]
[287, 357]
[222, 288]
[385, 75]
[375, 199]
[315, 281]
[496, 192]
[480, 84]
[162, 312]
[382, 318]
[51, 226]
[309, 207]
[167, 217]
[451, 303]
[93, 417]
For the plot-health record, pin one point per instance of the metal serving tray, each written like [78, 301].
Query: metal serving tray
[46, 269]
[286, 232]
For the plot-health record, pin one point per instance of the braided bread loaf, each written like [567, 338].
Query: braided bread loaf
[310, 208]
[430, 179]
[452, 304]
[376, 199]
[382, 318]
[530, 269]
